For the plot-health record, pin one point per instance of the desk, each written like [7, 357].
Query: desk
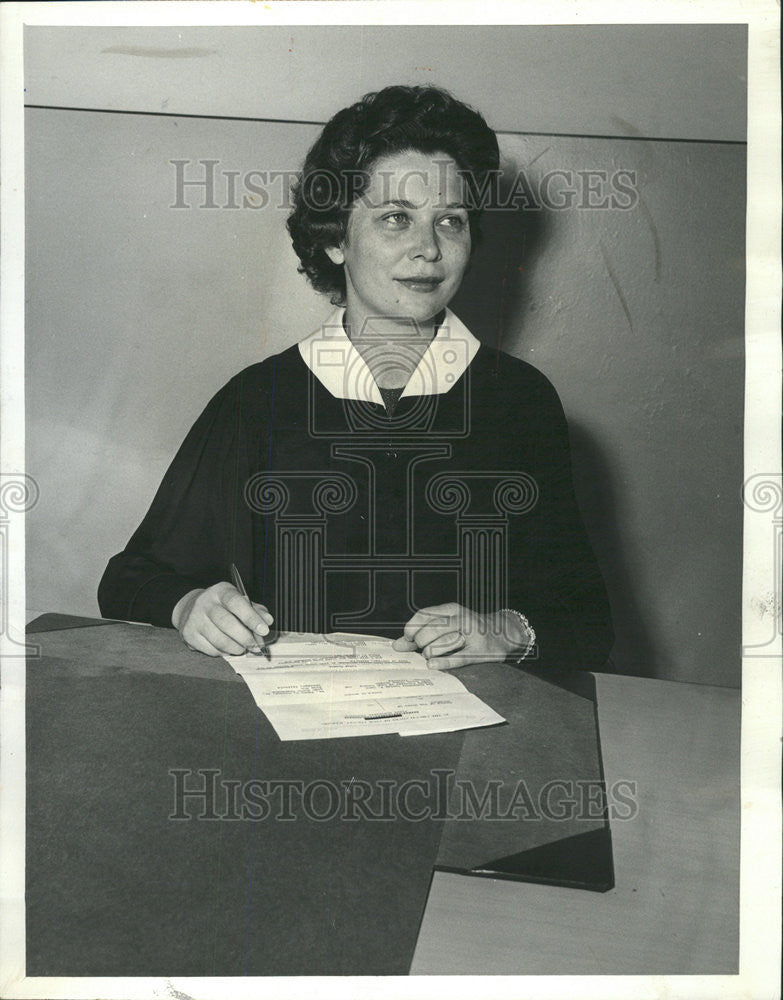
[675, 905]
[223, 887]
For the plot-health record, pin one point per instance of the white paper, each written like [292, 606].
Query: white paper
[410, 715]
[334, 650]
[312, 686]
[328, 686]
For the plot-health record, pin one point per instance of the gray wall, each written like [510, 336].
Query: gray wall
[685, 81]
[137, 312]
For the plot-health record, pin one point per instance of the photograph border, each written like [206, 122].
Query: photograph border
[761, 678]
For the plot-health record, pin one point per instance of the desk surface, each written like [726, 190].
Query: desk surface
[675, 905]
[123, 880]
[674, 908]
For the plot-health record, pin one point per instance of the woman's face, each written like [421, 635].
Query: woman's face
[408, 239]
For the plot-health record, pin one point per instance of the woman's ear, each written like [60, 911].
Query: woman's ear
[335, 255]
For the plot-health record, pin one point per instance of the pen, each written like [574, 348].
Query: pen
[236, 579]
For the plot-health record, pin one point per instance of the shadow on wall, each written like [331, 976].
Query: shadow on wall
[496, 279]
[601, 502]
[493, 298]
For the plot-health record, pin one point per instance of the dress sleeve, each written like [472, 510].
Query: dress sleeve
[196, 526]
[554, 577]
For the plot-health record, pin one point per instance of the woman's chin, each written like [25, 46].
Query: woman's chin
[421, 312]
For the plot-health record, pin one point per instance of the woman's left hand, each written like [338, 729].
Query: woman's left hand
[450, 635]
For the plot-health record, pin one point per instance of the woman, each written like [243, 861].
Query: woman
[388, 474]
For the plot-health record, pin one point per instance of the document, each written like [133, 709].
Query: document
[341, 650]
[340, 684]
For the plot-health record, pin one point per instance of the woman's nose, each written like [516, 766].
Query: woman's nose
[425, 244]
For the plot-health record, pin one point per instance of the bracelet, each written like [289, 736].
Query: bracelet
[531, 642]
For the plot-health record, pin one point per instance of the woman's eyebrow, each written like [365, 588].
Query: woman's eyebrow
[404, 203]
[396, 203]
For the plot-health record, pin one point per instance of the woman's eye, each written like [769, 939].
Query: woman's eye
[454, 222]
[396, 219]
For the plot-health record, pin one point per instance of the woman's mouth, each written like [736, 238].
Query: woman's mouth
[420, 284]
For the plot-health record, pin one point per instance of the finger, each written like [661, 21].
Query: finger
[244, 611]
[459, 659]
[449, 609]
[403, 645]
[429, 634]
[231, 626]
[429, 629]
[222, 642]
[264, 612]
[448, 642]
[436, 615]
[443, 663]
[451, 662]
[199, 644]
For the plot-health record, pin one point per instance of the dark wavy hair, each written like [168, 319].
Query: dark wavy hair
[337, 168]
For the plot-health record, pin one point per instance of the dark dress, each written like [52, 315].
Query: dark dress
[342, 517]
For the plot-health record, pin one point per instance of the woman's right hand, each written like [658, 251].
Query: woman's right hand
[220, 620]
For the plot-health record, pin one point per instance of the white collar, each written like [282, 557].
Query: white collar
[338, 365]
